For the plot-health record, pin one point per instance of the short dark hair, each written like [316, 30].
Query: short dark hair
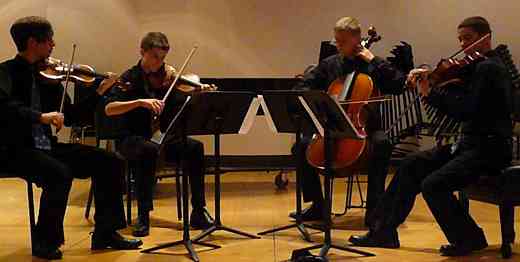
[36, 27]
[478, 23]
[155, 40]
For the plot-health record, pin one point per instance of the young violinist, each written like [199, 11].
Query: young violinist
[137, 105]
[29, 107]
[352, 56]
[483, 107]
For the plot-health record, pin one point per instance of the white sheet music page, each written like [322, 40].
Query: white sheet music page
[317, 123]
[313, 117]
[346, 86]
[359, 135]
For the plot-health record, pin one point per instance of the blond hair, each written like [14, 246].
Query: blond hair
[347, 23]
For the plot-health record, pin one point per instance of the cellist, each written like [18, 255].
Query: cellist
[353, 57]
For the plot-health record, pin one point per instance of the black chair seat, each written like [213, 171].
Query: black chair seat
[497, 189]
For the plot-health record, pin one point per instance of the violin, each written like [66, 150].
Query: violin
[448, 70]
[56, 70]
[188, 83]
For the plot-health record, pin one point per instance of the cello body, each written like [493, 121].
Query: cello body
[346, 151]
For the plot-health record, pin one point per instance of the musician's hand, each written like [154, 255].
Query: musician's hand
[53, 118]
[107, 83]
[415, 75]
[170, 72]
[364, 53]
[154, 105]
[208, 87]
[419, 77]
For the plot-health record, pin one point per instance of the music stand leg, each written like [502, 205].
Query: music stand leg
[327, 243]
[217, 226]
[186, 241]
[298, 223]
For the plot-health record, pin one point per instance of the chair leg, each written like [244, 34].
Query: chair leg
[32, 220]
[129, 193]
[361, 197]
[507, 226]
[348, 197]
[179, 193]
[89, 200]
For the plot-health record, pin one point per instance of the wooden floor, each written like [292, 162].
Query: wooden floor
[250, 203]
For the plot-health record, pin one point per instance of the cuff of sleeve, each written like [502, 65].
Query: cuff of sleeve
[433, 98]
[35, 116]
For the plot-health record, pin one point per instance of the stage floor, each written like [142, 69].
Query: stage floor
[250, 203]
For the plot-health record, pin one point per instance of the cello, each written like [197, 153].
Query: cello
[347, 151]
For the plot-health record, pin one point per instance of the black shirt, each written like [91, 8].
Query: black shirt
[387, 79]
[483, 104]
[16, 80]
[138, 122]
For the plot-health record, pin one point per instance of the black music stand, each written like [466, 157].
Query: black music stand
[332, 123]
[285, 114]
[206, 113]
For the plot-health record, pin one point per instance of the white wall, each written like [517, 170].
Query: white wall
[247, 38]
[105, 31]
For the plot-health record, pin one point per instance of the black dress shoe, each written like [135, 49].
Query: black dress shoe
[471, 244]
[47, 252]
[451, 250]
[306, 256]
[383, 239]
[113, 240]
[142, 228]
[201, 219]
[311, 213]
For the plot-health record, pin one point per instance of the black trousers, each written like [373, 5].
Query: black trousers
[437, 173]
[54, 171]
[377, 171]
[143, 154]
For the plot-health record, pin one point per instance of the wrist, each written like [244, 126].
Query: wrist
[36, 116]
[369, 58]
[100, 90]
[41, 119]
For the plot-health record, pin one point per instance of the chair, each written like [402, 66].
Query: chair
[109, 130]
[30, 199]
[502, 190]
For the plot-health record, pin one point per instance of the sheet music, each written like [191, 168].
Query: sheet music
[157, 137]
[360, 136]
[346, 86]
[267, 114]
[313, 117]
[250, 117]
[317, 123]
